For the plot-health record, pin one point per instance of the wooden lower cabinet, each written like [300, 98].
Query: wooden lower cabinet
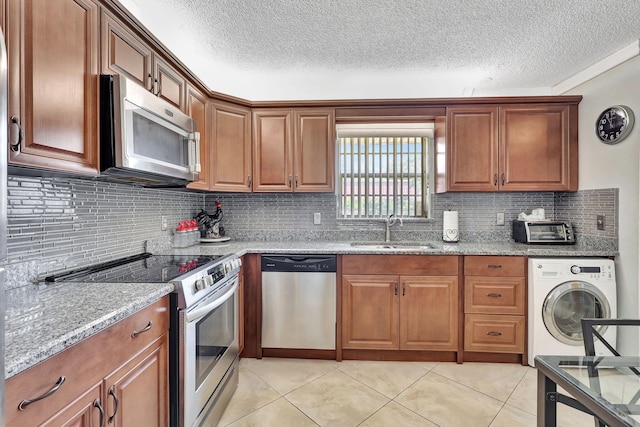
[370, 312]
[114, 373]
[429, 313]
[399, 311]
[85, 411]
[495, 305]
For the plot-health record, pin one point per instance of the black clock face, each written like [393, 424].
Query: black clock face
[614, 124]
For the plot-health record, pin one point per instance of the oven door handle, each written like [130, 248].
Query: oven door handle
[200, 312]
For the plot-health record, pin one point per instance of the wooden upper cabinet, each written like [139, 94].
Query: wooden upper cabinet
[53, 84]
[123, 52]
[539, 148]
[169, 84]
[472, 148]
[294, 150]
[516, 147]
[272, 150]
[314, 150]
[198, 110]
[230, 145]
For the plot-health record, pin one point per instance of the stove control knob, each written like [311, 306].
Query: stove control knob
[200, 284]
[575, 269]
[208, 280]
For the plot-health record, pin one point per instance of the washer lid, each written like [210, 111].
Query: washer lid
[567, 304]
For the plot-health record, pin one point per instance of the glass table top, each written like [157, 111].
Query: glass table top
[611, 382]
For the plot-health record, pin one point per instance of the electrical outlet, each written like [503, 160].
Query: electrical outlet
[500, 218]
[600, 222]
[317, 218]
[163, 223]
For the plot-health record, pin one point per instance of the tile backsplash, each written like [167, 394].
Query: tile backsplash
[59, 223]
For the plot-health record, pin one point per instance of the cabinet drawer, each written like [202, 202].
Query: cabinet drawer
[83, 365]
[495, 334]
[494, 266]
[498, 295]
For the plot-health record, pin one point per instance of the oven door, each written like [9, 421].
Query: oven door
[210, 347]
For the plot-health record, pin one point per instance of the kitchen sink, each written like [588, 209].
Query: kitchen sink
[394, 245]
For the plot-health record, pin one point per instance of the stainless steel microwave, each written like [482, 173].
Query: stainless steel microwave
[558, 232]
[144, 140]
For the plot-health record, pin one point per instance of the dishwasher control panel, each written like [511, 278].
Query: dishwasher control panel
[299, 263]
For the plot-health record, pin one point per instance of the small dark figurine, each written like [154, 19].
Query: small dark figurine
[210, 223]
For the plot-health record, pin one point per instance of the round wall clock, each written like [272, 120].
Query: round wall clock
[614, 124]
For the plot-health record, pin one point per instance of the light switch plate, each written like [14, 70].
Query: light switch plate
[500, 218]
[600, 222]
[317, 218]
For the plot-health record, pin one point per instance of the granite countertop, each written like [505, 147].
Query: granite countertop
[43, 320]
[436, 248]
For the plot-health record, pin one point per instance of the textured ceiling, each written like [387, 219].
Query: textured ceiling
[341, 49]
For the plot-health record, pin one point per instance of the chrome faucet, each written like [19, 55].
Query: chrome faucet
[388, 223]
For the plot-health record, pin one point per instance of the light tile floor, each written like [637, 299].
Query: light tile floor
[300, 393]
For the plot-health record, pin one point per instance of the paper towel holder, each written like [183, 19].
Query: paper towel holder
[450, 231]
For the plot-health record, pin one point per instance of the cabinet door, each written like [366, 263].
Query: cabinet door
[124, 53]
[538, 148]
[53, 84]
[273, 151]
[370, 312]
[169, 84]
[230, 148]
[197, 109]
[429, 313]
[472, 148]
[86, 411]
[314, 150]
[137, 392]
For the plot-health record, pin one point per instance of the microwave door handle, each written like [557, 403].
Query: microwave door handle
[194, 152]
[198, 166]
[200, 312]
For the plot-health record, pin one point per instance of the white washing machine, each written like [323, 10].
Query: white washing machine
[562, 291]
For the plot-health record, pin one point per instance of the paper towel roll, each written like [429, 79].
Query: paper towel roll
[450, 231]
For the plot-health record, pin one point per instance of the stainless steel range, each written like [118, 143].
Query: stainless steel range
[204, 326]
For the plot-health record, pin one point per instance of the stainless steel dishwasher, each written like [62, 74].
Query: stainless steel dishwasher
[299, 301]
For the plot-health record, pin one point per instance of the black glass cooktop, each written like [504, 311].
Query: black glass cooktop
[142, 268]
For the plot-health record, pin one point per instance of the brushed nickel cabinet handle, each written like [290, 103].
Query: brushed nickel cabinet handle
[26, 402]
[494, 295]
[494, 266]
[16, 147]
[112, 393]
[494, 334]
[395, 288]
[404, 288]
[249, 180]
[495, 179]
[159, 87]
[97, 404]
[297, 184]
[503, 179]
[151, 82]
[142, 331]
[290, 181]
